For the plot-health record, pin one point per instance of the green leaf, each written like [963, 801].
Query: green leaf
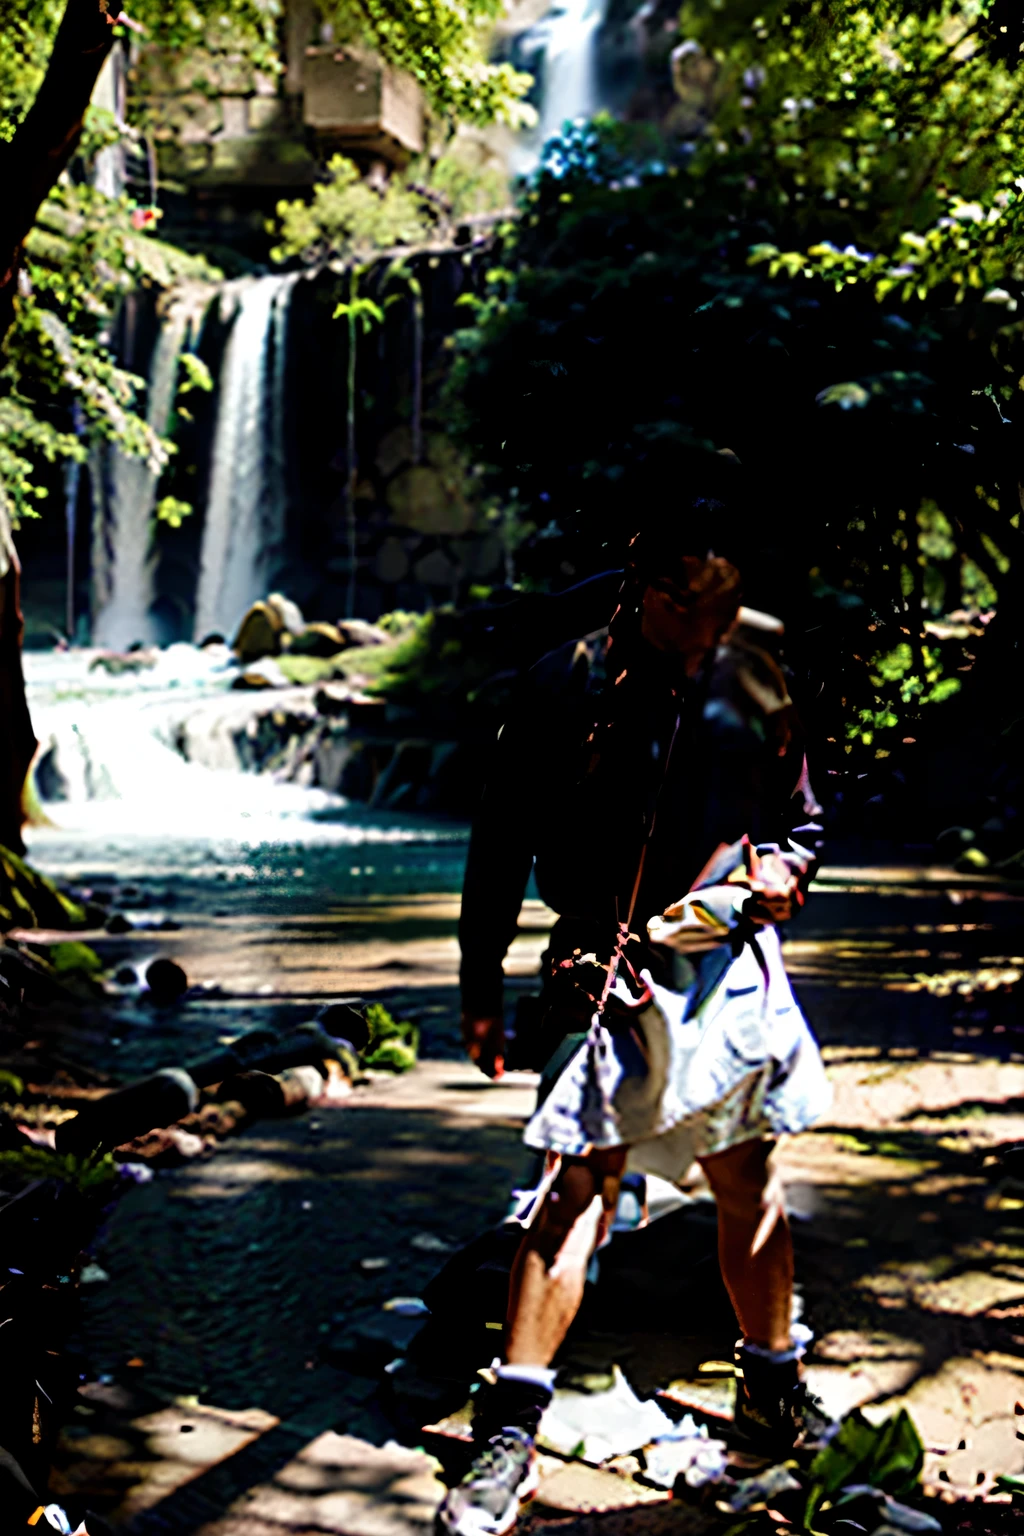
[888, 1456]
[11, 1082]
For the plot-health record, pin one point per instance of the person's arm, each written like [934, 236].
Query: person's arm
[497, 871]
[800, 831]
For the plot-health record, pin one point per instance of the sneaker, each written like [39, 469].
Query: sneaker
[775, 1410]
[486, 1502]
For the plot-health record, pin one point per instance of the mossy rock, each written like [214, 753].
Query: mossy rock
[317, 639]
[303, 671]
[259, 634]
[75, 959]
[29, 900]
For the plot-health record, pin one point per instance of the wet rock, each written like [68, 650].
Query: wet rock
[267, 674]
[400, 781]
[318, 639]
[50, 781]
[332, 700]
[166, 980]
[259, 634]
[330, 756]
[117, 663]
[360, 773]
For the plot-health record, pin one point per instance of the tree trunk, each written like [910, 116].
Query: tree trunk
[47, 138]
[29, 167]
[15, 725]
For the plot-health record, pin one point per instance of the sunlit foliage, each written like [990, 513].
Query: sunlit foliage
[795, 326]
[441, 43]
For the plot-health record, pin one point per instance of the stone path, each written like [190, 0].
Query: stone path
[237, 1279]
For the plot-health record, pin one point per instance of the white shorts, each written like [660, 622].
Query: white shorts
[674, 1088]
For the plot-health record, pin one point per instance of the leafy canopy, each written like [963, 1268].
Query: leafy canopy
[83, 255]
[795, 327]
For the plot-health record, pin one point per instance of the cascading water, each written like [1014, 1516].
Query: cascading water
[123, 556]
[562, 50]
[246, 508]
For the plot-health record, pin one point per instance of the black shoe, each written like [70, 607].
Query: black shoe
[486, 1502]
[775, 1411]
[509, 1405]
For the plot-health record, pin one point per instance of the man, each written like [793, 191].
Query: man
[659, 756]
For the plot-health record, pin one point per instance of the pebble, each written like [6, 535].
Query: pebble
[166, 980]
[426, 1242]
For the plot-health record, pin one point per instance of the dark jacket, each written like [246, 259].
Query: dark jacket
[588, 761]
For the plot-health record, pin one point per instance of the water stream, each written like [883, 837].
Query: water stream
[562, 50]
[246, 508]
[119, 796]
[124, 557]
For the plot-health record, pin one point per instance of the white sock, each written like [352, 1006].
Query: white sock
[801, 1336]
[540, 1375]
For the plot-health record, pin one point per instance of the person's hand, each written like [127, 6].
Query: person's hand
[774, 903]
[484, 1039]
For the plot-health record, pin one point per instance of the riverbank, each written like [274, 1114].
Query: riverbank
[237, 1279]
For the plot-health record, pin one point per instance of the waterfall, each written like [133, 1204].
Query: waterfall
[123, 556]
[562, 49]
[246, 508]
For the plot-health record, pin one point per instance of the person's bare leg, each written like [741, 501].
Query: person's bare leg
[550, 1270]
[754, 1246]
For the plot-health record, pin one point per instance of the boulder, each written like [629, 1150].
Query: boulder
[356, 632]
[259, 633]
[318, 639]
[289, 612]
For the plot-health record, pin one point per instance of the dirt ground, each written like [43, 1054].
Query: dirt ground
[234, 1281]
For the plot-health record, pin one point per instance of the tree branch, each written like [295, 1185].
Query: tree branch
[47, 138]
